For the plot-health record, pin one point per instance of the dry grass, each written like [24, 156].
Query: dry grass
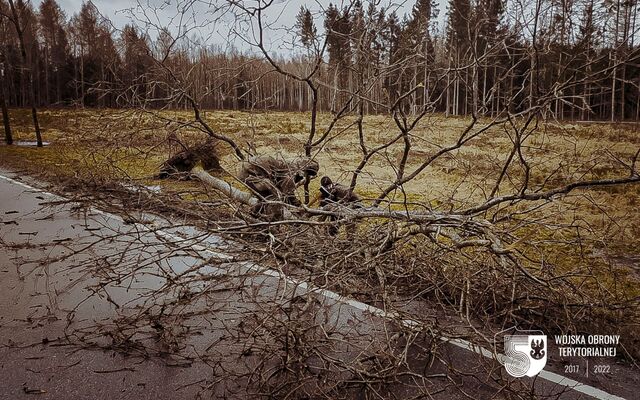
[133, 145]
[590, 236]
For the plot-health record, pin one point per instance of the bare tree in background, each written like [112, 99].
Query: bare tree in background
[52, 22]
[15, 18]
[79, 54]
[5, 112]
[3, 104]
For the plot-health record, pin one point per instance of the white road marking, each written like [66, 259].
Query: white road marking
[461, 343]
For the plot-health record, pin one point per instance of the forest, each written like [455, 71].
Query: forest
[489, 56]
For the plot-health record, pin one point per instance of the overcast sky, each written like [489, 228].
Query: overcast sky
[108, 8]
[163, 12]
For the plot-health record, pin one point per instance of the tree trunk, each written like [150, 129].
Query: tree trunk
[587, 90]
[82, 76]
[5, 114]
[230, 191]
[622, 94]
[75, 75]
[23, 51]
[613, 88]
[47, 90]
[495, 101]
[615, 63]
[638, 102]
[448, 98]
[224, 187]
[484, 90]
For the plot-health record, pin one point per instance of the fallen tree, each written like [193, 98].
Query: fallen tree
[184, 161]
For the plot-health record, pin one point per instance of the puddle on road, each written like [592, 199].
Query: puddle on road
[30, 143]
[142, 188]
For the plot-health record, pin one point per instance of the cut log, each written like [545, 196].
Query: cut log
[274, 211]
[224, 187]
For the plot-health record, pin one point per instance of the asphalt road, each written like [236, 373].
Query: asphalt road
[95, 306]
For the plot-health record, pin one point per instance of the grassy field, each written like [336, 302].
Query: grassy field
[590, 236]
[560, 151]
[132, 145]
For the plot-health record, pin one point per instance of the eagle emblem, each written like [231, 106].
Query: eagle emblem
[537, 349]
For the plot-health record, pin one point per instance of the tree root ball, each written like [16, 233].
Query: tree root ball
[183, 162]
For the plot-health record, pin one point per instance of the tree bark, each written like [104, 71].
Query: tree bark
[5, 114]
[30, 89]
[615, 63]
[224, 187]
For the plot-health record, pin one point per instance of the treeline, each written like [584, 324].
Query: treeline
[582, 57]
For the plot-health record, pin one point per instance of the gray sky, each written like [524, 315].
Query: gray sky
[108, 8]
[163, 13]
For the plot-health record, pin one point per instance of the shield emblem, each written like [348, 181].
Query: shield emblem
[538, 354]
[525, 354]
